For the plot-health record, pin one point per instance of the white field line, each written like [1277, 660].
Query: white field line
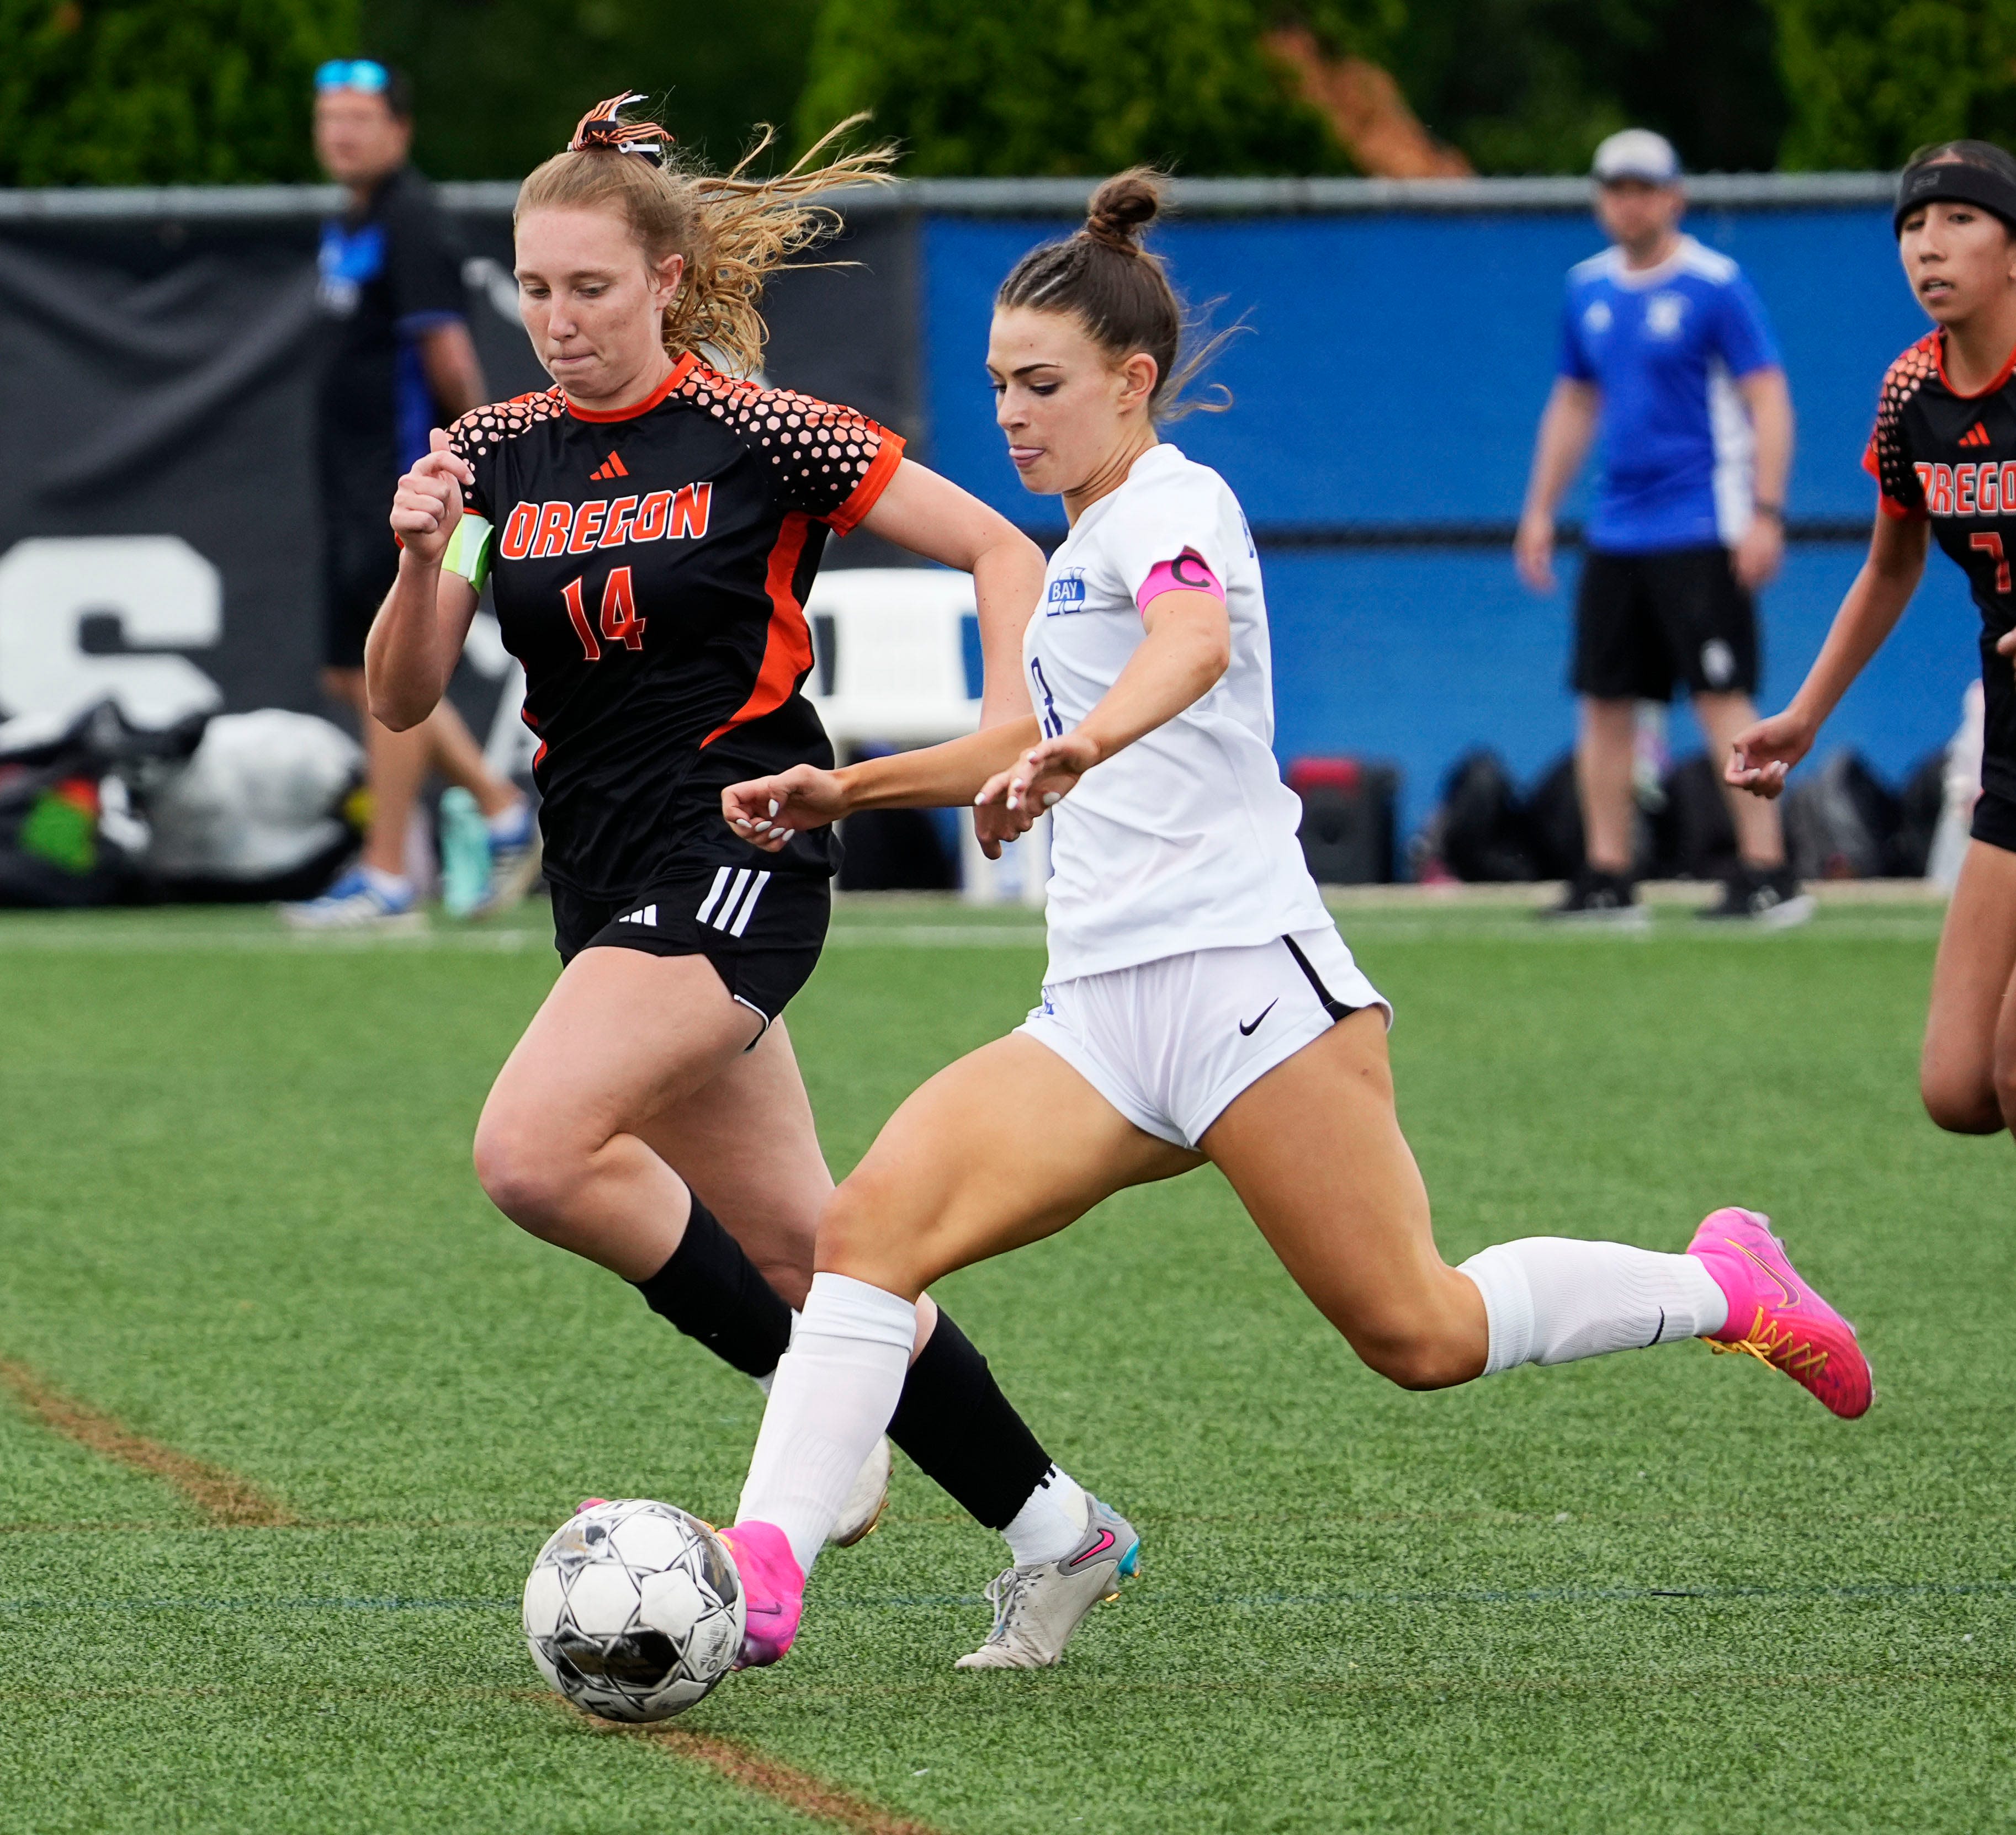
[58, 935]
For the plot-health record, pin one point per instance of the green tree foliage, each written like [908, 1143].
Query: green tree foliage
[1037, 87]
[1872, 79]
[161, 91]
[498, 84]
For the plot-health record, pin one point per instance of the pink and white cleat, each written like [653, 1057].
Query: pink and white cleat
[1776, 1318]
[773, 1591]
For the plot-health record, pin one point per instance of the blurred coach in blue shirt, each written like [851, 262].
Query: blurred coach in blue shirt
[1666, 352]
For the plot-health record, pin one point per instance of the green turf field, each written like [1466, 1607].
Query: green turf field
[1663, 1591]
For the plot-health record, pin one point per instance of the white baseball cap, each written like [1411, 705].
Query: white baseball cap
[1636, 152]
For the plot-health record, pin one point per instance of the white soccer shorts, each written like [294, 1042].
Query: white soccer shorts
[1170, 1043]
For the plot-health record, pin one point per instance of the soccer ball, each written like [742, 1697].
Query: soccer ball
[634, 1610]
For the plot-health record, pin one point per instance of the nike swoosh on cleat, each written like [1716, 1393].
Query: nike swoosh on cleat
[1246, 1032]
[1792, 1299]
[1106, 1536]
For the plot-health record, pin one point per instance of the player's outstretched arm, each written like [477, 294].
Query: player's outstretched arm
[932, 516]
[1762, 755]
[1188, 647]
[768, 810]
[420, 629]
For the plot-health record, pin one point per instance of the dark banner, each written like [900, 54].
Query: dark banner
[159, 537]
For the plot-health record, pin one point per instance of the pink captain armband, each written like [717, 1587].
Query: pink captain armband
[1188, 573]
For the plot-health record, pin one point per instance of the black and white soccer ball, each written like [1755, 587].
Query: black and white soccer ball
[634, 1610]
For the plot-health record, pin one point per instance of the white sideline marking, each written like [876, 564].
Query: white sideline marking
[30, 936]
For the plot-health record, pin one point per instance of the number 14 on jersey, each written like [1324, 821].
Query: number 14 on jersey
[619, 622]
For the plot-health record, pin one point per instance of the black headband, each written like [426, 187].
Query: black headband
[1951, 181]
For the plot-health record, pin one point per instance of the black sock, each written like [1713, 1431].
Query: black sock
[711, 1291]
[954, 1421]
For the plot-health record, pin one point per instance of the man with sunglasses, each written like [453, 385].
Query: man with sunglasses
[398, 361]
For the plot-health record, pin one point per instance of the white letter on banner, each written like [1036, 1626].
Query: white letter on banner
[159, 589]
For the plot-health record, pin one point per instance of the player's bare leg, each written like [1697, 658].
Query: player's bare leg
[1316, 1154]
[1005, 1147]
[630, 1106]
[768, 1187]
[1967, 1073]
[1315, 1151]
[622, 1039]
[1606, 752]
[1601, 892]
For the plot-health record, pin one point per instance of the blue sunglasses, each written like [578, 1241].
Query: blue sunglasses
[361, 73]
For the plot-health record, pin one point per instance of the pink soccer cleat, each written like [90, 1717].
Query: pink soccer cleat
[773, 1591]
[1776, 1318]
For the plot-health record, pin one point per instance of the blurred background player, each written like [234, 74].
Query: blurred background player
[1944, 455]
[652, 527]
[397, 360]
[1666, 352]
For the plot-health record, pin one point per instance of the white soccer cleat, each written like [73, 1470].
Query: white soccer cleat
[1036, 1609]
[867, 1501]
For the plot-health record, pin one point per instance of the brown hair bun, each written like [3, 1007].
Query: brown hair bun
[1125, 206]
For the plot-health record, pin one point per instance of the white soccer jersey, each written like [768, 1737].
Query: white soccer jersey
[1185, 839]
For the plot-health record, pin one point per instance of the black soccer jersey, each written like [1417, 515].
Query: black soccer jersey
[1951, 459]
[650, 570]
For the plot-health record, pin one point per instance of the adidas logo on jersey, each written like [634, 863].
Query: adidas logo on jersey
[648, 915]
[611, 467]
[1976, 435]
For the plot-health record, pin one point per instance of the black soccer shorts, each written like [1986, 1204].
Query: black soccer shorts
[762, 930]
[1995, 820]
[1645, 621]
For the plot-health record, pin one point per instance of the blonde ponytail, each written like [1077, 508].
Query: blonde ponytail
[734, 231]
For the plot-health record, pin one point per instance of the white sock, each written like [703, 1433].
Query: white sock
[392, 885]
[1049, 1526]
[830, 1399]
[1553, 1299]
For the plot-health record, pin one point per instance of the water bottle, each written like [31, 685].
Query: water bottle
[465, 853]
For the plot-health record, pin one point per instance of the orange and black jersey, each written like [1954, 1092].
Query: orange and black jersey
[650, 570]
[1950, 459]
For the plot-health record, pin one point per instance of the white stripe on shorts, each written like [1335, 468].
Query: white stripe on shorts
[707, 904]
[725, 909]
[748, 905]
